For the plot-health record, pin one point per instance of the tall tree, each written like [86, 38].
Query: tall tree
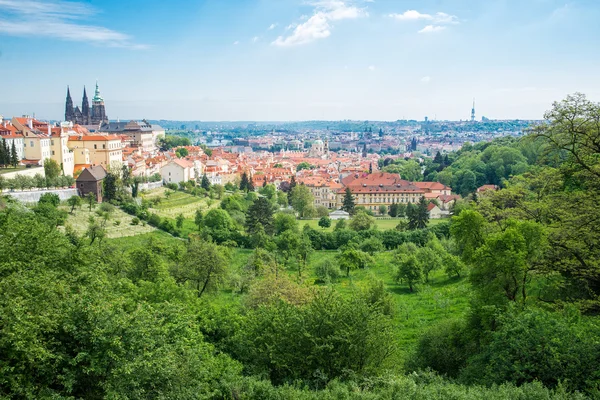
[348, 202]
[419, 216]
[302, 200]
[14, 159]
[244, 182]
[260, 213]
[51, 170]
[205, 182]
[250, 183]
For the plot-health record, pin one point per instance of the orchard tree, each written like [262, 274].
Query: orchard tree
[408, 270]
[74, 201]
[203, 267]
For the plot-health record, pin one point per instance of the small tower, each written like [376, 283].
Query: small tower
[473, 111]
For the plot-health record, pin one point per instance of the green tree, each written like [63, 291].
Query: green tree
[112, 184]
[383, 210]
[205, 182]
[418, 216]
[468, 230]
[179, 221]
[14, 159]
[302, 200]
[203, 267]
[325, 222]
[51, 170]
[199, 219]
[244, 182]
[302, 165]
[372, 245]
[351, 258]
[285, 222]
[348, 202]
[49, 198]
[181, 152]
[74, 201]
[361, 221]
[90, 199]
[260, 213]
[408, 270]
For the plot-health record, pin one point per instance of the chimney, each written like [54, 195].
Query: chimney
[30, 123]
[1, 119]
[49, 130]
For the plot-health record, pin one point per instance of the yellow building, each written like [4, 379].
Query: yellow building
[105, 150]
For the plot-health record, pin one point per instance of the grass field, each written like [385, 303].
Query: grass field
[381, 224]
[178, 203]
[79, 221]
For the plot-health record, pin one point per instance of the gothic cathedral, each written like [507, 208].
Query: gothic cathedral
[82, 116]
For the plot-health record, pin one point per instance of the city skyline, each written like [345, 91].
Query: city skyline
[298, 60]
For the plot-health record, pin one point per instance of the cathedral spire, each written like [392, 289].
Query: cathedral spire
[68, 106]
[85, 108]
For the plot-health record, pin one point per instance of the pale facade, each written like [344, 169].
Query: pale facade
[180, 171]
[60, 151]
[105, 150]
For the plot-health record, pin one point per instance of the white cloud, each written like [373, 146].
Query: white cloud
[432, 29]
[255, 39]
[58, 19]
[426, 79]
[411, 15]
[319, 26]
[372, 68]
[272, 26]
[437, 18]
[236, 42]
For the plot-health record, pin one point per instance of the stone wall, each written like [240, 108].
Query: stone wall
[150, 185]
[32, 196]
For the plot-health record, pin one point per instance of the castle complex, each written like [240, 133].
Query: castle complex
[83, 116]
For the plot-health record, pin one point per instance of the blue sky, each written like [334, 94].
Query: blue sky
[299, 59]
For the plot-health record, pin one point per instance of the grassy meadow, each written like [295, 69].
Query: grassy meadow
[178, 203]
[442, 298]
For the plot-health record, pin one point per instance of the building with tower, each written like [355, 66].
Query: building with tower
[473, 112]
[84, 115]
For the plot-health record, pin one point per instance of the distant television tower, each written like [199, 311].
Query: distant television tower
[473, 111]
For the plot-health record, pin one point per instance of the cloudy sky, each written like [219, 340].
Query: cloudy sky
[299, 59]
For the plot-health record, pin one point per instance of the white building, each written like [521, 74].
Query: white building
[10, 134]
[181, 171]
[339, 214]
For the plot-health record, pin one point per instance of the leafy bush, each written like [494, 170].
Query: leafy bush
[328, 271]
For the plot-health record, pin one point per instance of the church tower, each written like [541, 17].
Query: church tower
[69, 107]
[85, 108]
[98, 111]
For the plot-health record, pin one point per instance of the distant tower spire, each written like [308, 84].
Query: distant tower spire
[68, 106]
[85, 108]
[473, 111]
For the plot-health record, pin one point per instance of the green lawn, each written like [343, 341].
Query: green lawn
[381, 224]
